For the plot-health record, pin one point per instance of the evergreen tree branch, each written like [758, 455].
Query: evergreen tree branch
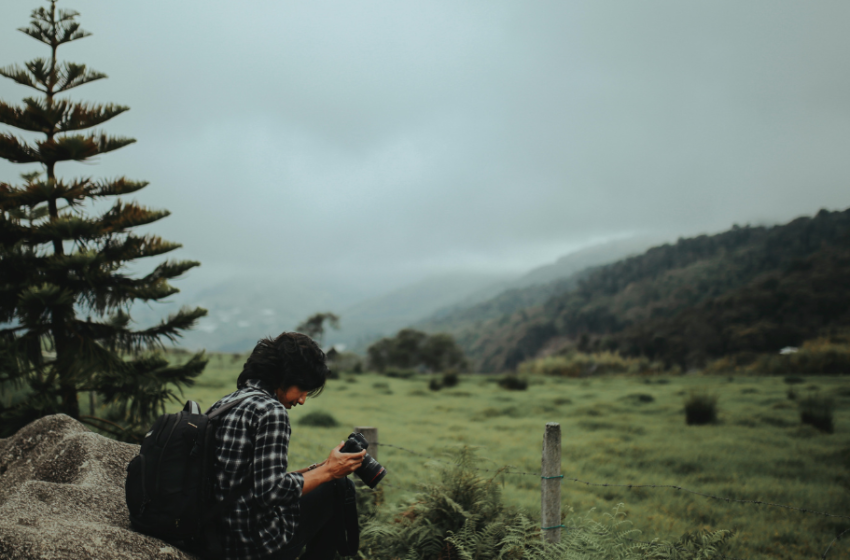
[65, 148]
[38, 192]
[115, 333]
[170, 270]
[51, 30]
[132, 247]
[182, 320]
[17, 151]
[78, 147]
[74, 228]
[124, 216]
[19, 75]
[115, 187]
[38, 302]
[144, 386]
[62, 115]
[89, 419]
[73, 75]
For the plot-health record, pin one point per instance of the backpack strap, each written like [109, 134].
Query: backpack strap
[225, 407]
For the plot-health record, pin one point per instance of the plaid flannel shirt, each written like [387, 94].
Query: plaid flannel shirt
[252, 440]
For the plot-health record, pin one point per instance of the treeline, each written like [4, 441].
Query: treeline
[750, 289]
[412, 349]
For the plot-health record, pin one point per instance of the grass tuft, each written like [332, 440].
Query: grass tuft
[513, 383]
[450, 379]
[318, 419]
[816, 410]
[700, 408]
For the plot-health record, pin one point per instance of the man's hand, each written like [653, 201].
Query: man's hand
[338, 465]
[343, 464]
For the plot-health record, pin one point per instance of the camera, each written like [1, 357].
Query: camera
[370, 472]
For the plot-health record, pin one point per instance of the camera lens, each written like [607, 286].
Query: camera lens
[370, 472]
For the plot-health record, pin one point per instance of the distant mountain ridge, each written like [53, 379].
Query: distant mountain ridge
[672, 302]
[531, 289]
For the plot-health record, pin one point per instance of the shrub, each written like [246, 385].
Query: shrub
[579, 364]
[450, 379]
[701, 408]
[435, 385]
[399, 373]
[318, 419]
[816, 410]
[513, 383]
[821, 355]
[639, 398]
[345, 362]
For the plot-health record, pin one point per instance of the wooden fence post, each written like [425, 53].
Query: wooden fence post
[371, 435]
[550, 484]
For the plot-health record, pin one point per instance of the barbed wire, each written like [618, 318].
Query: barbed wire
[835, 540]
[632, 486]
[507, 471]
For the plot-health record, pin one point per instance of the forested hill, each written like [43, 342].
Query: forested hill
[750, 289]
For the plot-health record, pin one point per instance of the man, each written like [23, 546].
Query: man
[279, 511]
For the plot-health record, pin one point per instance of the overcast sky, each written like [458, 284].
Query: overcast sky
[382, 141]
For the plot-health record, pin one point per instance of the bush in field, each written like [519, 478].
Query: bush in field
[513, 383]
[435, 385]
[318, 419]
[461, 517]
[700, 408]
[578, 364]
[816, 410]
[399, 373]
[450, 379]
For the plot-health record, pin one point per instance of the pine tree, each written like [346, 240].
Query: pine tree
[65, 294]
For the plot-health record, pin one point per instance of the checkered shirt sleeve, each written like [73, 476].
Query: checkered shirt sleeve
[252, 441]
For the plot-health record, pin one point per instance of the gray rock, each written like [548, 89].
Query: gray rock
[62, 496]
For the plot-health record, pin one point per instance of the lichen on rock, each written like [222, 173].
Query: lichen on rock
[62, 496]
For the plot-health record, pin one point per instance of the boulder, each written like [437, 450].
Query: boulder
[62, 496]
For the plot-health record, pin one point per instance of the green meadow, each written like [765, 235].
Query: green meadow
[618, 430]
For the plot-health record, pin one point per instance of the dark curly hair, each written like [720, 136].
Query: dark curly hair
[290, 359]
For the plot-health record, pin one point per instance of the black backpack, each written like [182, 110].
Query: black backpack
[169, 485]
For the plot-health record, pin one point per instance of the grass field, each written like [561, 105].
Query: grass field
[615, 430]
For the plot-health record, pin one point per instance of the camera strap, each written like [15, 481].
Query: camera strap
[350, 540]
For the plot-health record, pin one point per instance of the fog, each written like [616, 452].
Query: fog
[356, 147]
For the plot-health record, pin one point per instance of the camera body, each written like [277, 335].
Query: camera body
[370, 472]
